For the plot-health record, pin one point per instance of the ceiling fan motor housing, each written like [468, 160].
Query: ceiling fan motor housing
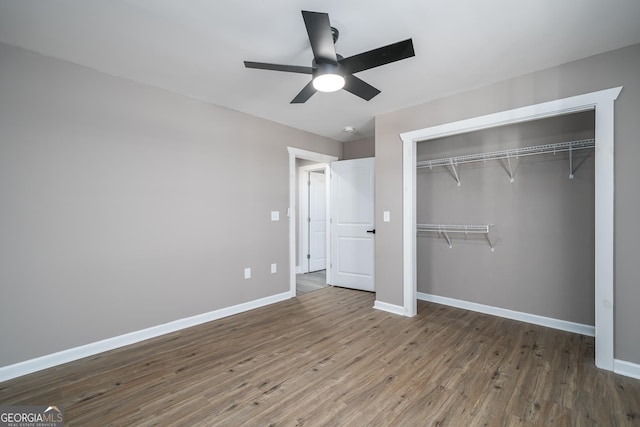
[320, 68]
[335, 34]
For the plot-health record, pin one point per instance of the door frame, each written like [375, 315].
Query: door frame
[603, 104]
[304, 208]
[297, 153]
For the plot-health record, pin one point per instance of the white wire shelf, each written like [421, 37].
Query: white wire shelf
[445, 229]
[513, 153]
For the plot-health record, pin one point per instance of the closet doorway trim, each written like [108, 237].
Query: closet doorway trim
[603, 104]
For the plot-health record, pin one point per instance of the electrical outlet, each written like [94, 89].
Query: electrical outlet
[247, 273]
[275, 215]
[386, 216]
[274, 268]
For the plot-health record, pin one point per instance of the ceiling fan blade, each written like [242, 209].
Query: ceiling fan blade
[376, 57]
[319, 31]
[359, 88]
[304, 94]
[277, 67]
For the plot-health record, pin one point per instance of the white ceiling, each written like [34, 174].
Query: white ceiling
[197, 47]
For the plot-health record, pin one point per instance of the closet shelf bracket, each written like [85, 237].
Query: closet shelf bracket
[455, 172]
[570, 163]
[511, 179]
[445, 229]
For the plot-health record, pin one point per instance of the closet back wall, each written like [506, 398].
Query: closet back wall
[543, 262]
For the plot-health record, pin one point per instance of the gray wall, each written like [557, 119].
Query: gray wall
[124, 207]
[615, 68]
[544, 222]
[359, 149]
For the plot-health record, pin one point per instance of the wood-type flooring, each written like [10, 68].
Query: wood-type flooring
[309, 282]
[327, 358]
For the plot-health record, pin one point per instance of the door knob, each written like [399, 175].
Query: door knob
[372, 231]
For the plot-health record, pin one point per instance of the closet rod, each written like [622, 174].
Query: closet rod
[456, 228]
[508, 154]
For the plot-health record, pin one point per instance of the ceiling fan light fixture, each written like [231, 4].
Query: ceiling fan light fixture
[327, 78]
[328, 82]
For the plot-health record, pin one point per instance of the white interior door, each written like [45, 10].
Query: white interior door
[352, 224]
[317, 221]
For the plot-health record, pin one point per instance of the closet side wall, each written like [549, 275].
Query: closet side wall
[543, 231]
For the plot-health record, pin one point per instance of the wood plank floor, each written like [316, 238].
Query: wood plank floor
[329, 358]
[309, 282]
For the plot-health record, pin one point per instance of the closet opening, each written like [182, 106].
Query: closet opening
[505, 221]
[602, 103]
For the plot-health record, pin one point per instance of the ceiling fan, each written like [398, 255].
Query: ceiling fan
[332, 72]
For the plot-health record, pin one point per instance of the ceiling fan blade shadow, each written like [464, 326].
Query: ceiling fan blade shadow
[319, 31]
[304, 94]
[377, 57]
[360, 88]
[278, 67]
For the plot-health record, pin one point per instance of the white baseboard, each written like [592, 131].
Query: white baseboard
[390, 308]
[549, 322]
[69, 355]
[627, 369]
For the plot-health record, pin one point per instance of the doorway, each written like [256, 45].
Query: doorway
[351, 195]
[602, 102]
[318, 159]
[312, 217]
[313, 194]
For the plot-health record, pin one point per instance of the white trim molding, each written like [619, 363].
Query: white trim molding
[603, 104]
[50, 360]
[627, 369]
[389, 308]
[549, 322]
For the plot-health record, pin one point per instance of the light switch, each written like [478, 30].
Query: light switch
[275, 216]
[247, 273]
[274, 268]
[386, 216]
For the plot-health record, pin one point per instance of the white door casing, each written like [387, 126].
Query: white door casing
[352, 223]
